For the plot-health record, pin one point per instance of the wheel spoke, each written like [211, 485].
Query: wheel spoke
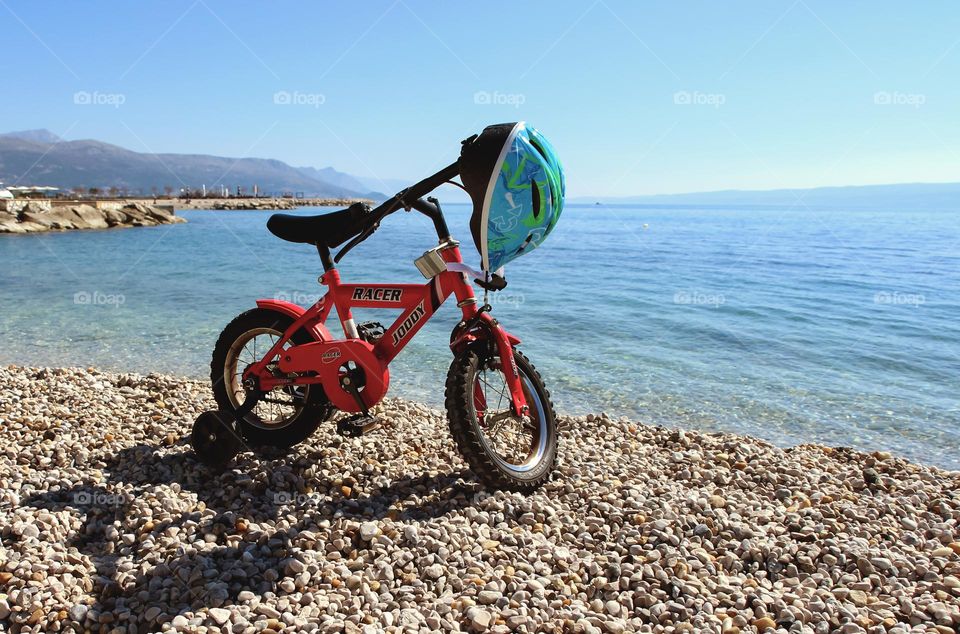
[499, 392]
[284, 403]
[518, 442]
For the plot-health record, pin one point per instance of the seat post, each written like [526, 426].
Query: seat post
[324, 252]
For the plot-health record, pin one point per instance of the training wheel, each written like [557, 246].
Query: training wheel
[214, 439]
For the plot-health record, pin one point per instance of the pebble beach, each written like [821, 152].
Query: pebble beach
[109, 524]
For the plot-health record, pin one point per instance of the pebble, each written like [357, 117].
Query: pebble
[479, 618]
[944, 551]
[369, 530]
[487, 597]
[219, 615]
[717, 501]
[643, 528]
[295, 566]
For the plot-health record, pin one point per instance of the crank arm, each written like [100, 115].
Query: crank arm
[348, 385]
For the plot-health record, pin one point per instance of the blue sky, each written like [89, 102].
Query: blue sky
[637, 97]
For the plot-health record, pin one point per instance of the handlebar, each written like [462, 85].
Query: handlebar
[409, 198]
[406, 197]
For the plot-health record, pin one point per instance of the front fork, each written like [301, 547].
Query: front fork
[504, 343]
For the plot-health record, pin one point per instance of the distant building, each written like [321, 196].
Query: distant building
[29, 191]
[5, 194]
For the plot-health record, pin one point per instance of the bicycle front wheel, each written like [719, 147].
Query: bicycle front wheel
[505, 451]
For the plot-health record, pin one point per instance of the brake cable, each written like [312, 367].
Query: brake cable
[366, 233]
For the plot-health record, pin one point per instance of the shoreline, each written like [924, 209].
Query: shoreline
[642, 528]
[20, 216]
[231, 204]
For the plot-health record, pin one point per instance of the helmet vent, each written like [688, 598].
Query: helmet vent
[536, 199]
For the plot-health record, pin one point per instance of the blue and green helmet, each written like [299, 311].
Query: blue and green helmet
[515, 179]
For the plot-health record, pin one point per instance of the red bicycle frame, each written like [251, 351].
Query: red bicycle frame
[418, 303]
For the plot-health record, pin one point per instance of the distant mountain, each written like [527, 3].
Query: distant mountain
[904, 196]
[342, 179]
[38, 157]
[40, 136]
[392, 185]
[382, 188]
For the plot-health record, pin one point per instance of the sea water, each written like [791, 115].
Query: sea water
[832, 326]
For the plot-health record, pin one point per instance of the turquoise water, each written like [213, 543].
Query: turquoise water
[826, 325]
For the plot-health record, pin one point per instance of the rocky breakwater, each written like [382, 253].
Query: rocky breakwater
[263, 203]
[108, 524]
[36, 217]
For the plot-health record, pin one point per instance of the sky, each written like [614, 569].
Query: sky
[637, 97]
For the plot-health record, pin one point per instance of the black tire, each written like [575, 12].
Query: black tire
[214, 440]
[470, 432]
[308, 406]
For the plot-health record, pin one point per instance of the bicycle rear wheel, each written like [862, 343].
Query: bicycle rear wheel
[285, 416]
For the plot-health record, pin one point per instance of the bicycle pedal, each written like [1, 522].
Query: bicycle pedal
[356, 426]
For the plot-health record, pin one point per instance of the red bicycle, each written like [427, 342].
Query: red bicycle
[278, 372]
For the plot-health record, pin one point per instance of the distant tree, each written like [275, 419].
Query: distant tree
[154, 191]
[167, 190]
[78, 191]
[113, 191]
[94, 191]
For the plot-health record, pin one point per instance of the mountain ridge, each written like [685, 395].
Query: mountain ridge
[41, 135]
[42, 158]
[886, 195]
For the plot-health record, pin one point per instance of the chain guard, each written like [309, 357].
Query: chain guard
[332, 361]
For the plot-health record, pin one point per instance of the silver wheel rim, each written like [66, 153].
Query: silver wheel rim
[244, 351]
[497, 397]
